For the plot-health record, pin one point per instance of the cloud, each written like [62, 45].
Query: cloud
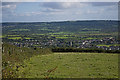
[62, 5]
[57, 5]
[8, 9]
[109, 6]
[103, 3]
[60, 0]
[95, 11]
[8, 5]
[20, 0]
[49, 11]
[30, 14]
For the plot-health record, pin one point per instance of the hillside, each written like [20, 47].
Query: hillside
[71, 65]
[65, 26]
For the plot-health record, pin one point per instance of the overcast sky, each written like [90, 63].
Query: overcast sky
[58, 11]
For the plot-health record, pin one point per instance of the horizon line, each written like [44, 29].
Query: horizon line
[54, 21]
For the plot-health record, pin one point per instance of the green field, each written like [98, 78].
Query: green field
[109, 45]
[20, 30]
[15, 38]
[71, 65]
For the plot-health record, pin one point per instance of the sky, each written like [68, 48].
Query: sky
[58, 11]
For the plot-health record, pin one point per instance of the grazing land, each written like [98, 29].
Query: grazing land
[71, 65]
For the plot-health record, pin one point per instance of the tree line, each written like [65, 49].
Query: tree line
[90, 50]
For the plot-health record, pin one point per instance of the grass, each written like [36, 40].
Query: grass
[64, 37]
[61, 33]
[91, 38]
[92, 29]
[89, 32]
[12, 35]
[104, 45]
[15, 38]
[109, 45]
[71, 65]
[38, 34]
[20, 30]
[27, 38]
[1, 36]
[45, 29]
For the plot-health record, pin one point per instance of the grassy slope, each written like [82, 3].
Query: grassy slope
[72, 65]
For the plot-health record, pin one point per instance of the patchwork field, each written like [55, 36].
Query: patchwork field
[71, 65]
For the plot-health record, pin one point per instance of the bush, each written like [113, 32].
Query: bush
[90, 50]
[13, 57]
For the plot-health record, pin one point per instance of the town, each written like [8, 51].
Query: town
[66, 34]
[105, 43]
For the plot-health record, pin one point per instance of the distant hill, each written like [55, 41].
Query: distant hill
[104, 26]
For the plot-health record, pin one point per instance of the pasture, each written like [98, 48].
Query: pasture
[71, 65]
